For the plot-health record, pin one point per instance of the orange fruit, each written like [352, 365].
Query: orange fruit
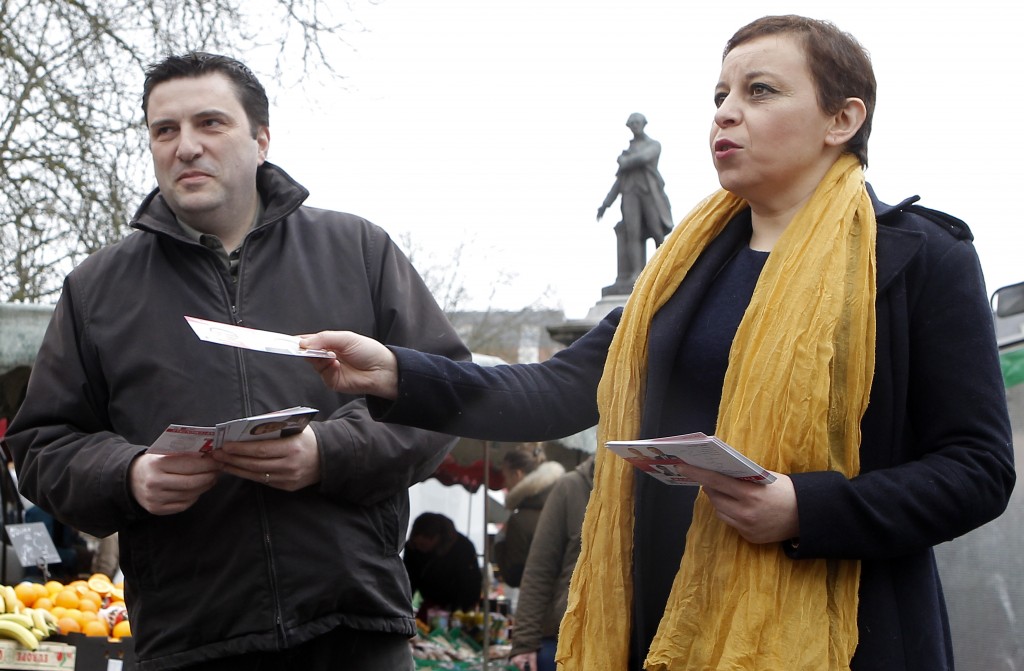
[45, 603]
[122, 630]
[79, 586]
[68, 598]
[95, 628]
[74, 614]
[54, 586]
[90, 595]
[58, 611]
[100, 583]
[26, 593]
[88, 606]
[68, 625]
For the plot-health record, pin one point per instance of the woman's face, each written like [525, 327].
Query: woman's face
[769, 139]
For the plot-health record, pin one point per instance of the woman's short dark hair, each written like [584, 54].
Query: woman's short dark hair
[250, 92]
[840, 66]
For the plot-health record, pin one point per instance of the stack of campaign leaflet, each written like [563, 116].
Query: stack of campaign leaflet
[658, 457]
[278, 424]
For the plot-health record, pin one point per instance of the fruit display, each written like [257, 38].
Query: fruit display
[31, 612]
[26, 626]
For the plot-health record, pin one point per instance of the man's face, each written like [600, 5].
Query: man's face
[204, 154]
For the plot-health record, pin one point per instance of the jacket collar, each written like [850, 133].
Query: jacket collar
[280, 193]
[895, 246]
[883, 210]
[538, 481]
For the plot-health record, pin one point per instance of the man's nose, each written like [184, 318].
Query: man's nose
[189, 146]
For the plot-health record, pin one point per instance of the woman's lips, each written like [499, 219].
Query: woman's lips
[725, 148]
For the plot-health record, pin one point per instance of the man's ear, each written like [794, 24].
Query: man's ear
[263, 142]
[846, 122]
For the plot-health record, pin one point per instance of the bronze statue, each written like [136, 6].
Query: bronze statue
[645, 207]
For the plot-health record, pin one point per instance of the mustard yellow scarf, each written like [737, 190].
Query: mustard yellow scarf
[796, 388]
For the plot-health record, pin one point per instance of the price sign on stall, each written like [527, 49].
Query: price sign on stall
[32, 544]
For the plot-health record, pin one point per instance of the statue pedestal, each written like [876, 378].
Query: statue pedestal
[620, 290]
[571, 330]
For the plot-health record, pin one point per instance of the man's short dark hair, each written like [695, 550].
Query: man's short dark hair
[250, 92]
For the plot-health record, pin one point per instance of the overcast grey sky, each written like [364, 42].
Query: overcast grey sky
[498, 122]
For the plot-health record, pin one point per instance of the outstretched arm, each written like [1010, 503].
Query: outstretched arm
[520, 402]
[361, 365]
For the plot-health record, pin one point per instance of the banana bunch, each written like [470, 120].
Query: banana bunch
[27, 626]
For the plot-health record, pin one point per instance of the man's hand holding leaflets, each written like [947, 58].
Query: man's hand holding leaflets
[179, 438]
[275, 449]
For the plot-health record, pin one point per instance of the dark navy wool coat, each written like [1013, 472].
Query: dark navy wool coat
[936, 455]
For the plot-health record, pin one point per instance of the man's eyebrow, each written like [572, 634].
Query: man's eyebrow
[202, 114]
[160, 121]
[213, 111]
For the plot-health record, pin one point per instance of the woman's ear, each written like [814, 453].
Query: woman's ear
[846, 122]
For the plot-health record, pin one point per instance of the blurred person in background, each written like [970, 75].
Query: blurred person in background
[544, 591]
[442, 565]
[529, 477]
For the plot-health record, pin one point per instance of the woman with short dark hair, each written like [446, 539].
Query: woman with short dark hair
[845, 344]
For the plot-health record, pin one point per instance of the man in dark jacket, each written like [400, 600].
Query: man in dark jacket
[282, 553]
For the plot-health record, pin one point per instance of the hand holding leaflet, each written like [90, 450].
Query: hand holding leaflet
[254, 339]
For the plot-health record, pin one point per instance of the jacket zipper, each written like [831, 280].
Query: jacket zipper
[234, 302]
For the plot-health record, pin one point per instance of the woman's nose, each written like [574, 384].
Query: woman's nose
[727, 113]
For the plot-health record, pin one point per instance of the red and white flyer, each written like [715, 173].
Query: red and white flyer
[659, 456]
[181, 438]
